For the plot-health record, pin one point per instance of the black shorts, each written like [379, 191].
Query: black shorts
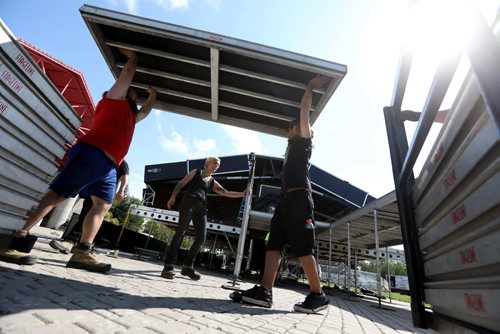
[293, 224]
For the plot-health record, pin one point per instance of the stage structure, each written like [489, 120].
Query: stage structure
[240, 83]
[333, 199]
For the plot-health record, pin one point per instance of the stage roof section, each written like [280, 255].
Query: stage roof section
[211, 76]
[68, 81]
[362, 229]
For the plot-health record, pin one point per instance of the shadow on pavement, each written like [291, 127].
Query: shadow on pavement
[22, 290]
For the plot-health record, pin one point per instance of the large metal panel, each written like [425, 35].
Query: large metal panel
[36, 123]
[210, 76]
[457, 210]
[46, 114]
[474, 254]
[24, 118]
[470, 210]
[452, 129]
[21, 59]
[464, 172]
[479, 306]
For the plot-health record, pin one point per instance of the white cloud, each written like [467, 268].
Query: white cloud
[214, 3]
[173, 143]
[179, 4]
[244, 141]
[131, 6]
[176, 143]
[173, 4]
[204, 146]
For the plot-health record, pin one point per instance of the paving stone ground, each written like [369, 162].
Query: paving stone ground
[133, 298]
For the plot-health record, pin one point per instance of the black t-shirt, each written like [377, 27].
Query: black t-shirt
[122, 170]
[296, 165]
[198, 187]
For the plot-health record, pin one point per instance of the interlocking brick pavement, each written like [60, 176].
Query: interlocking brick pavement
[133, 298]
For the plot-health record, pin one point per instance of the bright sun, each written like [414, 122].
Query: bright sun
[440, 27]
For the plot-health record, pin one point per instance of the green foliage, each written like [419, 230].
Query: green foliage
[396, 268]
[159, 231]
[119, 212]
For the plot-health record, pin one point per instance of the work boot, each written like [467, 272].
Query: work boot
[64, 246]
[168, 272]
[189, 272]
[84, 257]
[13, 256]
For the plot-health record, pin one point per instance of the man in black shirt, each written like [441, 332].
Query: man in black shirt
[293, 219]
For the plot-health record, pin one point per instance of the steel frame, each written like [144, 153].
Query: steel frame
[484, 55]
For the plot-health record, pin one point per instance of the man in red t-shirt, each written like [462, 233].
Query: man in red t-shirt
[91, 168]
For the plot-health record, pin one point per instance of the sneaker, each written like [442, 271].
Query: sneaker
[168, 272]
[64, 246]
[255, 296]
[87, 259]
[313, 303]
[191, 273]
[13, 256]
[236, 296]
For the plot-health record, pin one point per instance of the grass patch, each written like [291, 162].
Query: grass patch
[397, 296]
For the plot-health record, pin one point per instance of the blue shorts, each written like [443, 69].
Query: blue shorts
[88, 172]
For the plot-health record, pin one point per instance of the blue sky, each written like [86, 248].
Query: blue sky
[350, 136]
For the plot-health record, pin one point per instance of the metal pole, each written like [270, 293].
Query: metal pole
[329, 256]
[388, 273]
[338, 273]
[348, 260]
[355, 272]
[213, 250]
[149, 234]
[244, 223]
[318, 268]
[317, 252]
[379, 283]
[117, 250]
[249, 257]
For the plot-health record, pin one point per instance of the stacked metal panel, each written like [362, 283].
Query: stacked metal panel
[35, 124]
[457, 211]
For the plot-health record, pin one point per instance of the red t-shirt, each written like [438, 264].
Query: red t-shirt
[113, 128]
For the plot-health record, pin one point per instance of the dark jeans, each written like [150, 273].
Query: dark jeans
[74, 233]
[195, 209]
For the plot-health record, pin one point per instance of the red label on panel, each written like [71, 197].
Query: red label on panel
[468, 256]
[439, 153]
[458, 214]
[215, 38]
[10, 80]
[474, 301]
[450, 180]
[25, 64]
[3, 107]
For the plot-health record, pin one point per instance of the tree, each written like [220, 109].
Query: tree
[159, 231]
[120, 210]
[395, 267]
